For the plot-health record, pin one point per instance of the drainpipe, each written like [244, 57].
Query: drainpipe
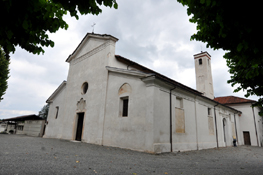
[196, 126]
[255, 124]
[171, 131]
[106, 97]
[216, 125]
[235, 126]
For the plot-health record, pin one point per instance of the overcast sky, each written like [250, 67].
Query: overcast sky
[153, 33]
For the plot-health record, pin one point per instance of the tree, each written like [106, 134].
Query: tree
[234, 27]
[44, 111]
[28, 22]
[4, 73]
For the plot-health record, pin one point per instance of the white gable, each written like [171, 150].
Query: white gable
[88, 46]
[90, 43]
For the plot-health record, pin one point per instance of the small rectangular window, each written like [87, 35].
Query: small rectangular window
[57, 112]
[125, 107]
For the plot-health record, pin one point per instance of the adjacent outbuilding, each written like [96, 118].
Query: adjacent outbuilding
[32, 125]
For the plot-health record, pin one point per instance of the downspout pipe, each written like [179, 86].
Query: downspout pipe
[171, 126]
[235, 127]
[255, 124]
[216, 125]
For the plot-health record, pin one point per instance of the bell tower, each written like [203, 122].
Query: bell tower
[203, 73]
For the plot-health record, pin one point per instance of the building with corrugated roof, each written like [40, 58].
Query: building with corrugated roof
[31, 125]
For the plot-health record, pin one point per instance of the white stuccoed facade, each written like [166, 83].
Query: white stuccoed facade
[250, 122]
[163, 115]
[203, 73]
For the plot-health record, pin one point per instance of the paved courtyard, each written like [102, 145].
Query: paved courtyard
[21, 154]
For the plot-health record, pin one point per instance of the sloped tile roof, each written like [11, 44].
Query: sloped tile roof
[147, 70]
[232, 100]
[158, 75]
[24, 117]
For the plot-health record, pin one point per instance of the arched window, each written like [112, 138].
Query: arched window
[124, 93]
[200, 61]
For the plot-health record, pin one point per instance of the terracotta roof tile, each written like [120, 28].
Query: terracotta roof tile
[232, 100]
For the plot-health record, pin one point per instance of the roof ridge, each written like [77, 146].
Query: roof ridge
[232, 100]
[121, 58]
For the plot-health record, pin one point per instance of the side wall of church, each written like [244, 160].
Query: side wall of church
[56, 116]
[193, 122]
[134, 131]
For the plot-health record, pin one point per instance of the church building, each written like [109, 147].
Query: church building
[110, 100]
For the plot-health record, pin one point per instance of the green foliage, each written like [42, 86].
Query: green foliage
[27, 23]
[4, 73]
[234, 27]
[44, 111]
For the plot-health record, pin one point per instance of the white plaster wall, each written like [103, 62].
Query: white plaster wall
[205, 139]
[2, 127]
[10, 127]
[204, 81]
[88, 45]
[259, 126]
[19, 131]
[247, 122]
[34, 127]
[185, 141]
[239, 132]
[135, 131]
[89, 69]
[55, 125]
[161, 120]
[227, 138]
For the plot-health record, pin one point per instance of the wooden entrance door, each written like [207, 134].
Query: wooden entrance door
[79, 126]
[246, 138]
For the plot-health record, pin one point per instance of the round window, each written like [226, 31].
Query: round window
[85, 87]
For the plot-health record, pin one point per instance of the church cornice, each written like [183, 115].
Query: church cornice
[128, 72]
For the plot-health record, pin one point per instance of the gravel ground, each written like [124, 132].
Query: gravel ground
[21, 154]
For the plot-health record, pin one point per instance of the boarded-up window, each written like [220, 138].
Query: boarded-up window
[179, 120]
[211, 125]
